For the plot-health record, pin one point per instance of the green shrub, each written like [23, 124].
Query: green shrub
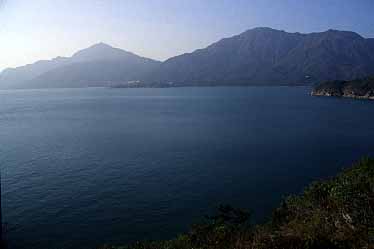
[333, 214]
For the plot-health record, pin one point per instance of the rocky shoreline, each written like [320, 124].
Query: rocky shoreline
[357, 89]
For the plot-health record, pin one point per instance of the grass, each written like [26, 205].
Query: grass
[337, 213]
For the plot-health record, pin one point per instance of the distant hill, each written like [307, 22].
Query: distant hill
[98, 65]
[359, 89]
[14, 77]
[264, 56]
[260, 56]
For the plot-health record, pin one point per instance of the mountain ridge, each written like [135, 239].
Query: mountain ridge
[258, 56]
[266, 56]
[58, 71]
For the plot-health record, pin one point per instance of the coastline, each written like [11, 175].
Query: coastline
[350, 96]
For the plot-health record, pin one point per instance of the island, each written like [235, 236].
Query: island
[358, 89]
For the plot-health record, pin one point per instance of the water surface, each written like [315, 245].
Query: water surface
[85, 167]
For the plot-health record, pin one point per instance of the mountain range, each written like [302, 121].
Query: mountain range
[260, 56]
[98, 65]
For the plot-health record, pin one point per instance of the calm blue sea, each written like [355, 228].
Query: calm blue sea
[86, 167]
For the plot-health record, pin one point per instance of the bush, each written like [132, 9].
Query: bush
[334, 214]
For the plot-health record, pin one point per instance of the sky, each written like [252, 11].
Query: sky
[32, 30]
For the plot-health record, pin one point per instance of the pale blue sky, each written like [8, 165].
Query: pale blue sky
[42, 29]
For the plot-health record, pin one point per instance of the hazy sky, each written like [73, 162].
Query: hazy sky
[42, 29]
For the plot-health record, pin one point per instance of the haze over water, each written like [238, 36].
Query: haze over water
[85, 167]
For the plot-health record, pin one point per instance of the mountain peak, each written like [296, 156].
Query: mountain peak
[101, 45]
[101, 51]
[263, 30]
[330, 32]
[338, 34]
[97, 47]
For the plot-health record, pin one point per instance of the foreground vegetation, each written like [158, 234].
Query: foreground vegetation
[338, 213]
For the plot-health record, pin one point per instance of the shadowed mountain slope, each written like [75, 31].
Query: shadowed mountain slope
[266, 56]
